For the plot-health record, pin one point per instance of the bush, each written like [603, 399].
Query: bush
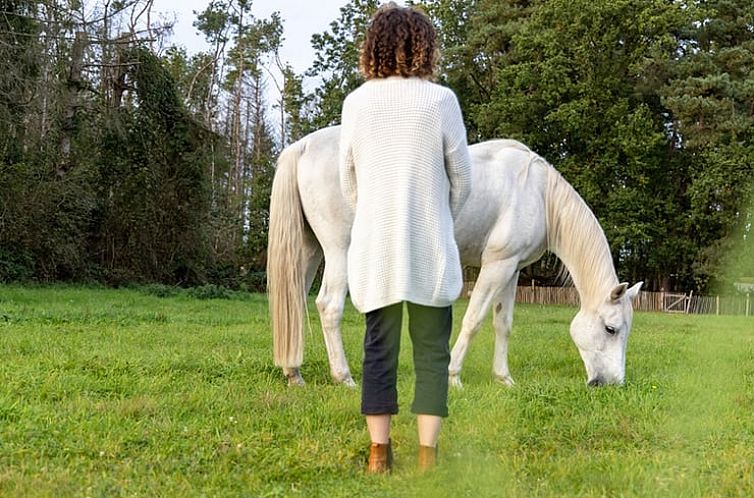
[210, 291]
[160, 290]
[15, 266]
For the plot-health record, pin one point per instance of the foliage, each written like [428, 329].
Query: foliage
[19, 71]
[160, 290]
[711, 96]
[241, 191]
[645, 107]
[129, 175]
[121, 166]
[210, 291]
[191, 76]
[738, 262]
[476, 40]
[15, 266]
[297, 106]
[154, 199]
[337, 59]
[569, 91]
[45, 202]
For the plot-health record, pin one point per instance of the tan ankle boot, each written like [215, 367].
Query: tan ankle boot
[380, 458]
[427, 458]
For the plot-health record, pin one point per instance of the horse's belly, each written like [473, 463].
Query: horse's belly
[516, 232]
[472, 230]
[470, 248]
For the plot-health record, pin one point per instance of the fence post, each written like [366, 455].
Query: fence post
[717, 305]
[662, 299]
[688, 302]
[747, 304]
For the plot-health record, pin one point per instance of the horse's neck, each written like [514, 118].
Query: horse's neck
[575, 236]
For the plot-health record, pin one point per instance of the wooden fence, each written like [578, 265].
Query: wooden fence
[646, 301]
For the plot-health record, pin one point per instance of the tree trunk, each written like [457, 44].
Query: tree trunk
[71, 100]
[118, 70]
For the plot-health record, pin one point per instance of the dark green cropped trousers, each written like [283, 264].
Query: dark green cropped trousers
[429, 328]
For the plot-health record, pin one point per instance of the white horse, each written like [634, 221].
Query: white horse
[520, 206]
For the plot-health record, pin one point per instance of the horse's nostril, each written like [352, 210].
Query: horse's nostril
[595, 382]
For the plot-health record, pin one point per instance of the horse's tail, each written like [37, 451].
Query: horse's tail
[285, 261]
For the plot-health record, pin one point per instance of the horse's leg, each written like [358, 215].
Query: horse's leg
[491, 278]
[312, 260]
[330, 304]
[502, 319]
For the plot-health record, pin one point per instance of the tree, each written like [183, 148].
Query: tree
[296, 107]
[19, 72]
[104, 171]
[337, 60]
[476, 39]
[574, 92]
[711, 98]
[262, 158]
[245, 45]
[45, 191]
[153, 190]
[119, 165]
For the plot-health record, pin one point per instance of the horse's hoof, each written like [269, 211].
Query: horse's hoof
[294, 377]
[349, 382]
[344, 379]
[454, 381]
[505, 380]
[296, 380]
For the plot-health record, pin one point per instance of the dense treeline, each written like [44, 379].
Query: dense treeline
[125, 161]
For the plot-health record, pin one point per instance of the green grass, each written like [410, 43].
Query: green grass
[120, 393]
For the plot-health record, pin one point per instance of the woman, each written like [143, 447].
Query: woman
[406, 172]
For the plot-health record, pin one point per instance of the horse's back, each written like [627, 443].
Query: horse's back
[503, 217]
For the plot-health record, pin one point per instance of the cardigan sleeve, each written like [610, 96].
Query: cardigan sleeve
[346, 166]
[457, 159]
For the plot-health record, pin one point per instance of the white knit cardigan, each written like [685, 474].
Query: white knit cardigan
[405, 170]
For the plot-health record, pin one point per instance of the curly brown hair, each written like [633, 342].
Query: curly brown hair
[400, 41]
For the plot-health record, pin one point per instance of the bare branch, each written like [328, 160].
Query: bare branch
[196, 75]
[112, 64]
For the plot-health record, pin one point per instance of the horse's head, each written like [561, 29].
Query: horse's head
[601, 334]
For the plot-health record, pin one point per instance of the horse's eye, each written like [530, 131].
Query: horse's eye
[610, 330]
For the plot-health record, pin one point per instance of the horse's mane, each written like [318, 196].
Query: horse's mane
[576, 237]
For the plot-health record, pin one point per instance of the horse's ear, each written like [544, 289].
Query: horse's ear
[618, 291]
[634, 291]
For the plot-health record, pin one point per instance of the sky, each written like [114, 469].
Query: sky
[301, 19]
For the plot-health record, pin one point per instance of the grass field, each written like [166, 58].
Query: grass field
[121, 393]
